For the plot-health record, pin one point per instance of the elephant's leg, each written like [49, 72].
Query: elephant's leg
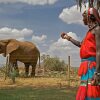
[33, 70]
[9, 69]
[15, 65]
[26, 69]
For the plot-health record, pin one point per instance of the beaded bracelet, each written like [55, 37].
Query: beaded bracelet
[96, 73]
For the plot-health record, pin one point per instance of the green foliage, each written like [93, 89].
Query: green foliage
[54, 64]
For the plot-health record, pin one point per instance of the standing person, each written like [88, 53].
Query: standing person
[89, 69]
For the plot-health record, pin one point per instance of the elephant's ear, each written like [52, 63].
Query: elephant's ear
[11, 46]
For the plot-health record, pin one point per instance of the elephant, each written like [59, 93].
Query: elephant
[25, 52]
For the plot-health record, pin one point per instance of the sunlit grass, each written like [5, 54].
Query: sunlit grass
[36, 82]
[37, 89]
[51, 86]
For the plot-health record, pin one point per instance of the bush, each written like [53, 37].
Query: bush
[54, 64]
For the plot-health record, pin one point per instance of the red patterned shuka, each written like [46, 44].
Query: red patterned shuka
[87, 68]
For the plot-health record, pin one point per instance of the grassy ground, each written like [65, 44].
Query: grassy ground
[54, 86]
[30, 93]
[37, 89]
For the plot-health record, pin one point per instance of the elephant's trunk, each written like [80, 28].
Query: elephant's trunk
[39, 60]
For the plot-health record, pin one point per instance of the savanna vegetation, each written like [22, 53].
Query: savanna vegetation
[50, 83]
[53, 63]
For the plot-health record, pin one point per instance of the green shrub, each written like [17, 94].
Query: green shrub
[54, 64]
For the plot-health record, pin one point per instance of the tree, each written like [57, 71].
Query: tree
[43, 57]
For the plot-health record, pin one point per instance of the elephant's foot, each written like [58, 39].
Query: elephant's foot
[32, 74]
[26, 75]
[17, 73]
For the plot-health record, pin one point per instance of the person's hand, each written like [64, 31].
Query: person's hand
[65, 36]
[96, 79]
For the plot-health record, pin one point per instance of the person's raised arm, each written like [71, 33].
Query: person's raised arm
[69, 38]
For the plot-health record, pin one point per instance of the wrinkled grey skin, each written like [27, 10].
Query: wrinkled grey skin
[25, 52]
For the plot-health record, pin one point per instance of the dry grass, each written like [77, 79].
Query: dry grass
[38, 88]
[58, 80]
[35, 82]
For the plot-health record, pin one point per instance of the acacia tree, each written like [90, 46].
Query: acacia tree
[91, 3]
